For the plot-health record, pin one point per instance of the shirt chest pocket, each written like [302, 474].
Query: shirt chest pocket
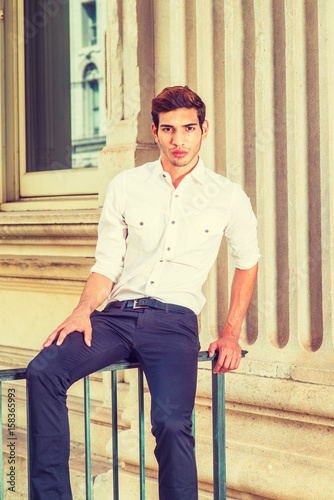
[204, 228]
[145, 229]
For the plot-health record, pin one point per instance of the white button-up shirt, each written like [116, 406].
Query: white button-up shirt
[160, 242]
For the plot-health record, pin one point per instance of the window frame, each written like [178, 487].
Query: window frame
[18, 184]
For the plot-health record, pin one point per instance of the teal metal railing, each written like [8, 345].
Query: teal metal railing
[218, 428]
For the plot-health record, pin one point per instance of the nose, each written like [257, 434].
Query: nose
[178, 137]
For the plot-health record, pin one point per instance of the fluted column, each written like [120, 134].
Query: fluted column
[265, 171]
[169, 43]
[129, 88]
[326, 104]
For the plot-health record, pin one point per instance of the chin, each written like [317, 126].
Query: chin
[179, 163]
[182, 162]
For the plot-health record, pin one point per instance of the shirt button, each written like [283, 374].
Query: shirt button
[173, 222]
[151, 282]
[206, 230]
[168, 249]
[141, 223]
[176, 196]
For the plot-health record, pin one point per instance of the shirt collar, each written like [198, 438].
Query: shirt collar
[198, 173]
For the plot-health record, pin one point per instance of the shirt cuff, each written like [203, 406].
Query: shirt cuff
[100, 270]
[246, 265]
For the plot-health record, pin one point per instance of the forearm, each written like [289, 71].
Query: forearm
[96, 291]
[227, 345]
[241, 292]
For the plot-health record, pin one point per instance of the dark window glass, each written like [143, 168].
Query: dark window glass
[64, 84]
[48, 96]
[89, 23]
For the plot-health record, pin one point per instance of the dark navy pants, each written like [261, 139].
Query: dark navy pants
[166, 345]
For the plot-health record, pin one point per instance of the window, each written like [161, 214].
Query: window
[88, 135]
[89, 23]
[47, 84]
[64, 89]
[91, 100]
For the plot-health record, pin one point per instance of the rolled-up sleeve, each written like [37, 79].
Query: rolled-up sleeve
[241, 231]
[112, 232]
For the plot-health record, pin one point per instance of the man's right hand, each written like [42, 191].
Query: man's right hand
[78, 321]
[96, 290]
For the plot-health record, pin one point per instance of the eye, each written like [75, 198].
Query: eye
[166, 129]
[190, 128]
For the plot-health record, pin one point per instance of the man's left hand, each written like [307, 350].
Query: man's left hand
[229, 354]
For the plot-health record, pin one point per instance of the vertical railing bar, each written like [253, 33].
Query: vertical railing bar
[141, 433]
[114, 434]
[88, 465]
[218, 434]
[1, 449]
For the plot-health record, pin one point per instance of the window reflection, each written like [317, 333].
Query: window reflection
[64, 59]
[89, 23]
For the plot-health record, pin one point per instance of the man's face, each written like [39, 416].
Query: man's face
[179, 137]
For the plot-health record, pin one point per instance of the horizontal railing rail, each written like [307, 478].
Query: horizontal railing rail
[218, 427]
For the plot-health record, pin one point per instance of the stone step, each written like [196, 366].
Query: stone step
[99, 465]
[129, 487]
[102, 475]
[101, 418]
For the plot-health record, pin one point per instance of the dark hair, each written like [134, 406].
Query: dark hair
[177, 97]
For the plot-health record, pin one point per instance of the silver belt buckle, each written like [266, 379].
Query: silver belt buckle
[136, 306]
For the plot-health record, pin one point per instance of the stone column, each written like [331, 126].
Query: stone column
[129, 88]
[265, 70]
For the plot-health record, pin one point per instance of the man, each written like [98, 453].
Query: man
[159, 234]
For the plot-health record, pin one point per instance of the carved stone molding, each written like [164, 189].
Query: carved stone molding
[79, 224]
[54, 268]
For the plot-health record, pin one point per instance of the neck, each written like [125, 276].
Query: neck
[178, 173]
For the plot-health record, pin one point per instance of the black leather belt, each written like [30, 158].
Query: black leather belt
[146, 302]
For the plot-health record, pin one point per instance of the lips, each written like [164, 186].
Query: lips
[179, 153]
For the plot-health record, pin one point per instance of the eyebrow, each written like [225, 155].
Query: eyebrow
[172, 126]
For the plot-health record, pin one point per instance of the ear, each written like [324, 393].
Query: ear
[205, 129]
[155, 133]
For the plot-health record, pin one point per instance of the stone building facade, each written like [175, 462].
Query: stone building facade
[265, 69]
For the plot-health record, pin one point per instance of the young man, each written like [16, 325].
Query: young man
[159, 234]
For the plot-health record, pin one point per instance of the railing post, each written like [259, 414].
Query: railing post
[141, 433]
[1, 450]
[193, 425]
[218, 433]
[114, 434]
[87, 441]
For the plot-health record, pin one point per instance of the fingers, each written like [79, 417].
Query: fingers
[62, 336]
[212, 349]
[65, 329]
[50, 339]
[228, 360]
[86, 330]
[88, 336]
